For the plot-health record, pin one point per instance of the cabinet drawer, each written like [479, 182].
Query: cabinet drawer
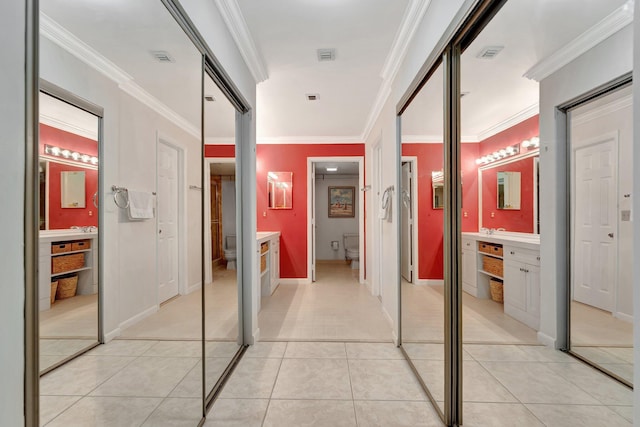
[527, 256]
[469, 244]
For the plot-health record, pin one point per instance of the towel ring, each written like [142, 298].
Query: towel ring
[125, 196]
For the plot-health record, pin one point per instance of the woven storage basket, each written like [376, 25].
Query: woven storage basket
[59, 248]
[81, 245]
[263, 263]
[492, 265]
[497, 290]
[490, 248]
[54, 288]
[63, 263]
[67, 287]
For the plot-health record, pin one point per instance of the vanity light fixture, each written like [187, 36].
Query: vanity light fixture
[532, 143]
[509, 151]
[70, 155]
[273, 176]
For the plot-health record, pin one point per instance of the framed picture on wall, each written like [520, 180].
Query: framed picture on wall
[341, 202]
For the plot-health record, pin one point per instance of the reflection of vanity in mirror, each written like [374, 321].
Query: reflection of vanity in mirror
[437, 185]
[280, 190]
[68, 237]
[502, 261]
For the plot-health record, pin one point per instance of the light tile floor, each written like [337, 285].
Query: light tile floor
[369, 384]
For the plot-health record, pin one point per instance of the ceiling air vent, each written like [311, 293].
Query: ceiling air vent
[490, 52]
[312, 96]
[326, 55]
[162, 56]
[209, 98]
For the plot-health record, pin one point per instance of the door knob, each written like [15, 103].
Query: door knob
[610, 235]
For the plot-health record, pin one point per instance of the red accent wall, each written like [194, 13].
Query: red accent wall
[512, 220]
[60, 218]
[292, 223]
[219, 150]
[431, 221]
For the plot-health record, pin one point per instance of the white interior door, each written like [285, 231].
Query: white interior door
[595, 223]
[407, 224]
[167, 244]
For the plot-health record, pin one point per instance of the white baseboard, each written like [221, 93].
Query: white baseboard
[430, 282]
[111, 335]
[138, 317]
[255, 337]
[394, 332]
[546, 340]
[623, 316]
[296, 281]
[194, 287]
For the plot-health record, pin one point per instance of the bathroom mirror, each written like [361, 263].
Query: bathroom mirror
[508, 190]
[437, 183]
[280, 190]
[72, 184]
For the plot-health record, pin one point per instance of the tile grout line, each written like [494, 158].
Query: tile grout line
[275, 381]
[353, 399]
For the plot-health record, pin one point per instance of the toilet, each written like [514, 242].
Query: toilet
[352, 249]
[230, 251]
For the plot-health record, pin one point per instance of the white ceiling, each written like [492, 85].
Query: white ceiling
[530, 31]
[287, 34]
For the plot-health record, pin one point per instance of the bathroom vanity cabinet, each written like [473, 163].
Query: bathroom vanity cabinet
[48, 271]
[268, 262]
[513, 258]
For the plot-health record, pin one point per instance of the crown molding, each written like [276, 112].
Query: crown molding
[609, 108]
[54, 122]
[411, 19]
[76, 47]
[72, 44]
[214, 140]
[523, 115]
[295, 140]
[604, 29]
[436, 139]
[232, 16]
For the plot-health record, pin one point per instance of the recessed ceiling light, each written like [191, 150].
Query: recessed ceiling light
[162, 56]
[312, 96]
[326, 54]
[489, 52]
[332, 169]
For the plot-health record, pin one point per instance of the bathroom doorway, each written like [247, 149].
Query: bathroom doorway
[336, 216]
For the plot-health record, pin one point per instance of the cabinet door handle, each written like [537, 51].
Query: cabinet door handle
[526, 271]
[512, 253]
[538, 258]
[521, 269]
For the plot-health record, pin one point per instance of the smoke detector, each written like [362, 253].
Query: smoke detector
[489, 52]
[162, 56]
[312, 96]
[326, 55]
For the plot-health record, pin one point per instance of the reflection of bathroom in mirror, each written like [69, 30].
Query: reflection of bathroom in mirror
[508, 190]
[280, 190]
[437, 183]
[73, 189]
[68, 170]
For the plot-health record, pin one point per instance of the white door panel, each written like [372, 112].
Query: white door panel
[407, 224]
[167, 237]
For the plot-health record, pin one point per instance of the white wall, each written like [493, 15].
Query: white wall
[605, 62]
[12, 170]
[328, 229]
[635, 212]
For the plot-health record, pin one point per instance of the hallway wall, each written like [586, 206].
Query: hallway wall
[12, 172]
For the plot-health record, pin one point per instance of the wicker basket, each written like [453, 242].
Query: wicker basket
[63, 263]
[59, 248]
[54, 288]
[263, 263]
[497, 290]
[492, 265]
[81, 245]
[490, 248]
[67, 287]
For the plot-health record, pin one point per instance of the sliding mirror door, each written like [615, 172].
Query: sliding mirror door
[134, 60]
[222, 295]
[421, 214]
[69, 150]
[601, 294]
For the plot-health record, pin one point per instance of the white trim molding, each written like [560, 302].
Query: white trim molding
[604, 29]
[85, 53]
[232, 15]
[66, 126]
[410, 21]
[311, 140]
[435, 139]
[519, 117]
[609, 108]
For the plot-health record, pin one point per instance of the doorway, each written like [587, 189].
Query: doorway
[408, 196]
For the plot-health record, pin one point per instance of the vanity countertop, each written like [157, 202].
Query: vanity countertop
[58, 235]
[531, 241]
[263, 236]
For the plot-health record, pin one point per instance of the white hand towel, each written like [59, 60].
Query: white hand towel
[140, 205]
